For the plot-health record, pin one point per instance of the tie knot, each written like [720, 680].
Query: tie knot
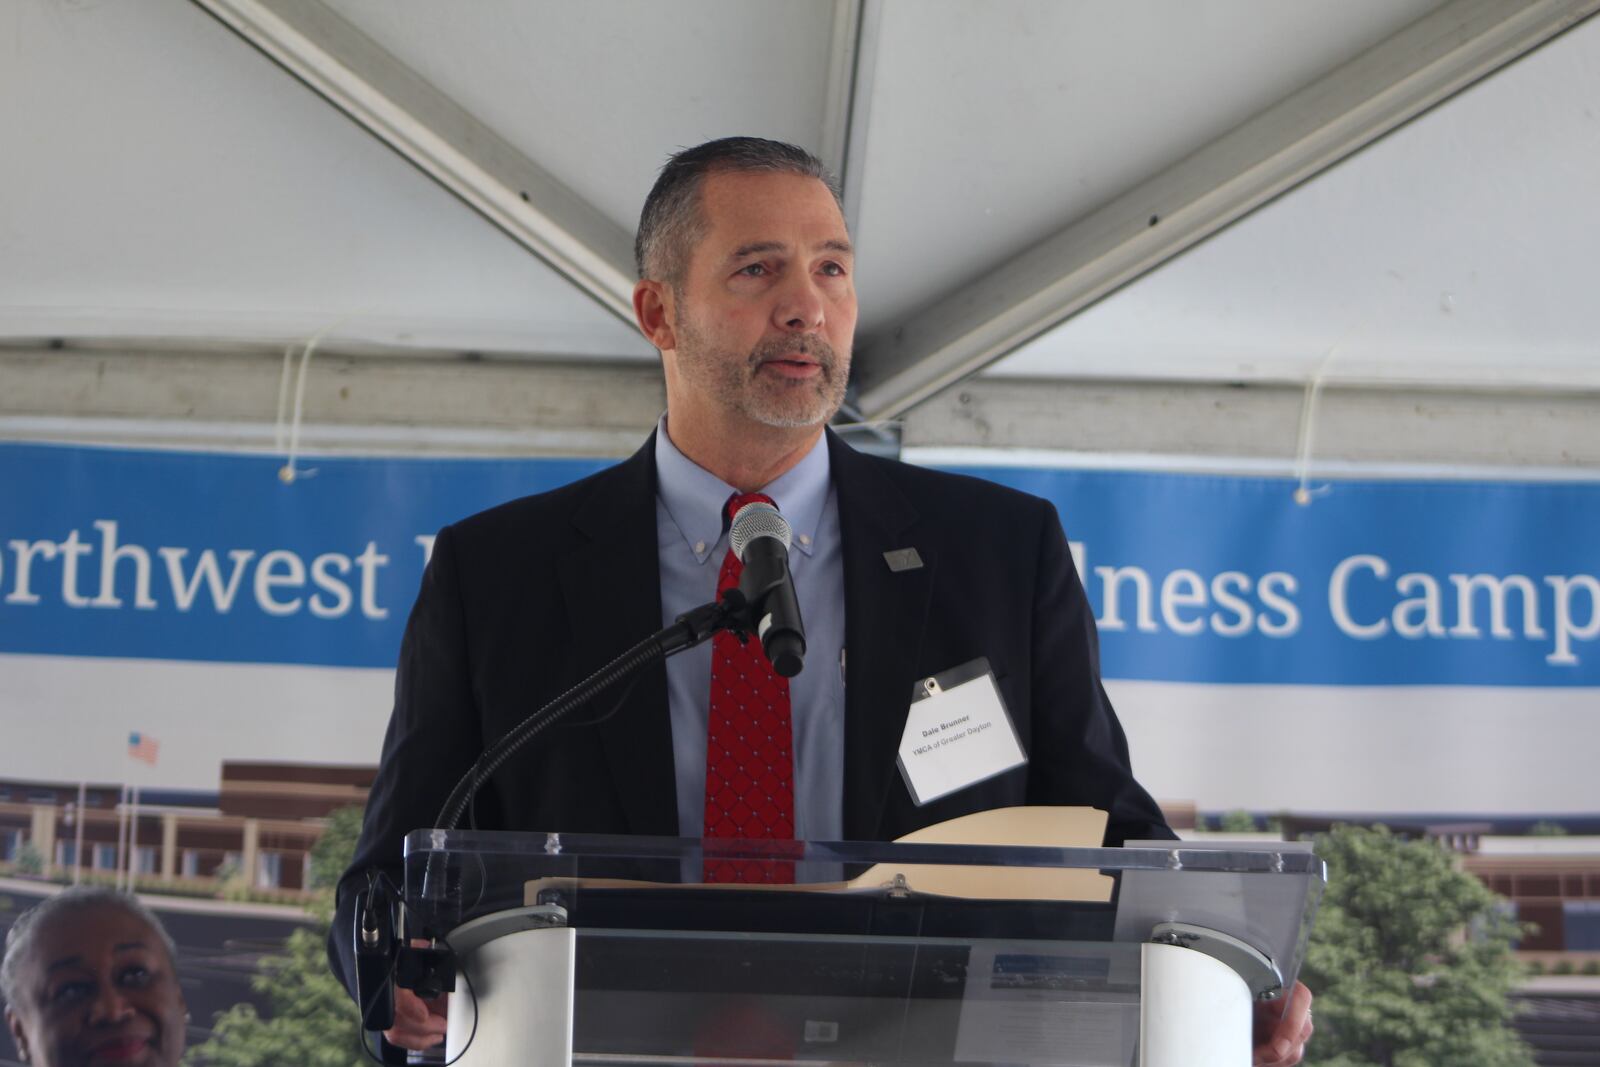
[739, 500]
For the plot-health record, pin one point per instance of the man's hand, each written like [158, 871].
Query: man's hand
[418, 1023]
[1281, 1042]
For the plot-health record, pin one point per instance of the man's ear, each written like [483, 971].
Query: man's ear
[14, 1024]
[653, 310]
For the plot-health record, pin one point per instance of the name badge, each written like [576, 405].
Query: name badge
[958, 733]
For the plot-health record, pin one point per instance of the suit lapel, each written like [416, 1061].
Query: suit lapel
[612, 586]
[885, 612]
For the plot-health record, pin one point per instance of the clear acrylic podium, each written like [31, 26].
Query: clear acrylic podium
[603, 950]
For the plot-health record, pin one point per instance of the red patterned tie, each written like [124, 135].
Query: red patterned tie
[749, 745]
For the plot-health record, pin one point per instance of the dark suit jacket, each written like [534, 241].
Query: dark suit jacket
[522, 601]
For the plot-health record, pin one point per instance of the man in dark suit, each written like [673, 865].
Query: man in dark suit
[747, 291]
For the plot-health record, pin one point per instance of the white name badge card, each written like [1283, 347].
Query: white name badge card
[958, 733]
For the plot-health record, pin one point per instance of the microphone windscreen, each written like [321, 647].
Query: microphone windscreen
[754, 520]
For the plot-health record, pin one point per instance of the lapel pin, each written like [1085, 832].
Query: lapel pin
[902, 559]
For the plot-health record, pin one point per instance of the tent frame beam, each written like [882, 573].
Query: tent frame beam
[411, 404]
[966, 329]
[442, 139]
[839, 110]
[440, 403]
[1205, 424]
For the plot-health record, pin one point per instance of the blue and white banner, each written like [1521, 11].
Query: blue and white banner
[1201, 578]
[202, 556]
[211, 557]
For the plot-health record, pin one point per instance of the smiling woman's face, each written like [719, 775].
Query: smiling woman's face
[98, 989]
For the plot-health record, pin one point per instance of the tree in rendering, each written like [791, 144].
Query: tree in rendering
[1410, 959]
[311, 1020]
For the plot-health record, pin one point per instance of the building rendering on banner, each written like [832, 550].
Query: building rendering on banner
[255, 831]
[258, 828]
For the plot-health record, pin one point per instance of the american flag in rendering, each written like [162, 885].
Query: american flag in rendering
[143, 747]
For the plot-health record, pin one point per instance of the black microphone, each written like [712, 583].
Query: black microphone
[374, 955]
[760, 539]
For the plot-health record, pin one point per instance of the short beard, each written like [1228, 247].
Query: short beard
[737, 384]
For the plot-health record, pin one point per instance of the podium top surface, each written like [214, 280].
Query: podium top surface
[598, 851]
[1265, 897]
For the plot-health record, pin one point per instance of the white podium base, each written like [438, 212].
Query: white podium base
[523, 982]
[1195, 1010]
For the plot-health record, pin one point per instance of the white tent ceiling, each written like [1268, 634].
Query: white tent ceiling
[164, 181]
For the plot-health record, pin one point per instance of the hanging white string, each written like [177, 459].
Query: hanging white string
[1304, 493]
[280, 429]
[289, 471]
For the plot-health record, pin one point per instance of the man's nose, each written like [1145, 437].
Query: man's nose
[800, 305]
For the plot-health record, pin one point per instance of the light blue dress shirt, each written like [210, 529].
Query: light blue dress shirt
[691, 544]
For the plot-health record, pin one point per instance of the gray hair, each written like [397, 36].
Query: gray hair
[672, 221]
[25, 931]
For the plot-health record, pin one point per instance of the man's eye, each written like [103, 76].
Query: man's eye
[835, 270]
[754, 270]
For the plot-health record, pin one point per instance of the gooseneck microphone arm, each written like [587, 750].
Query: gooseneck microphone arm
[691, 628]
[763, 603]
[732, 612]
[380, 955]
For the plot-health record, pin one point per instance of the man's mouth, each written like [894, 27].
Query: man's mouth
[793, 366]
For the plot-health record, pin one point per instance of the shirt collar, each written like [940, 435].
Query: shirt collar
[694, 497]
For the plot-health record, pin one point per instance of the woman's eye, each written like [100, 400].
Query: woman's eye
[136, 976]
[68, 992]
